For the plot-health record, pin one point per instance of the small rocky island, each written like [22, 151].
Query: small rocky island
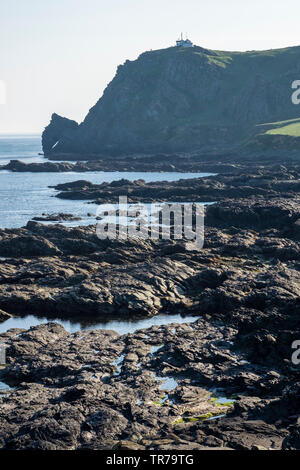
[225, 380]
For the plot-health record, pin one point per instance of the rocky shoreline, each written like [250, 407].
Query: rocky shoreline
[159, 162]
[149, 163]
[269, 182]
[229, 381]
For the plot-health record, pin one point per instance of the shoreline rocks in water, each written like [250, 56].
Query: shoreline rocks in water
[169, 163]
[61, 217]
[99, 390]
[159, 162]
[265, 182]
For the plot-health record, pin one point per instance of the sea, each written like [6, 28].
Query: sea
[27, 195]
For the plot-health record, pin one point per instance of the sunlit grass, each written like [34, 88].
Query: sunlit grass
[292, 130]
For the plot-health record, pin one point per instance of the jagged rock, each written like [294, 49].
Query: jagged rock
[26, 246]
[77, 400]
[59, 127]
[56, 217]
[4, 316]
[248, 200]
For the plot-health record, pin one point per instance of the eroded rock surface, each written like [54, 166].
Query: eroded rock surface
[161, 387]
[96, 389]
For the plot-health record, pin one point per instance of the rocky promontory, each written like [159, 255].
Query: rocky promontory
[184, 100]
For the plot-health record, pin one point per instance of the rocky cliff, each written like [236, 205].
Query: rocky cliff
[180, 99]
[59, 128]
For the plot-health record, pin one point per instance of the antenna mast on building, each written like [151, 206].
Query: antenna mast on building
[184, 42]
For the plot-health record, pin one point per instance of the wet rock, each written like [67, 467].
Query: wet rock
[77, 401]
[56, 217]
[4, 316]
[225, 380]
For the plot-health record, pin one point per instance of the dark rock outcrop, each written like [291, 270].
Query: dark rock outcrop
[4, 316]
[59, 127]
[47, 167]
[274, 181]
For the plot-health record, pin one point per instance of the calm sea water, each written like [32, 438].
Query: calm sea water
[121, 326]
[26, 195]
[20, 147]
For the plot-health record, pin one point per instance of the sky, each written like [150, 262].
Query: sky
[59, 55]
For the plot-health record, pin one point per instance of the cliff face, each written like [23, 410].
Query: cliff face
[185, 99]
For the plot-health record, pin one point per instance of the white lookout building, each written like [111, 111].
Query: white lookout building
[184, 42]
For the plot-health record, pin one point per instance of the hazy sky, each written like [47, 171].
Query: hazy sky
[58, 55]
